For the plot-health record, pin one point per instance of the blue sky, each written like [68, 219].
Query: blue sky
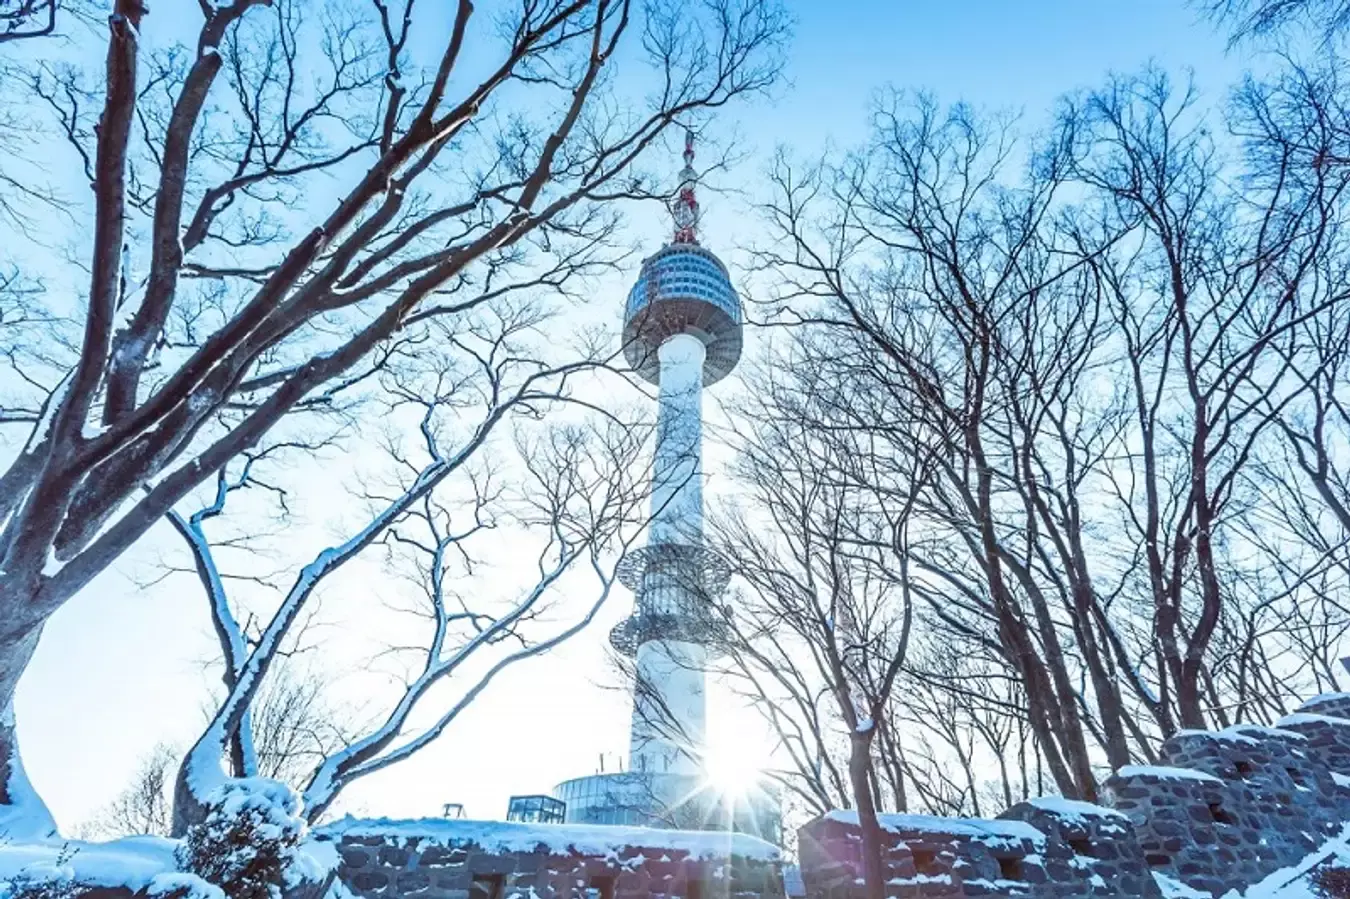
[1019, 55]
[119, 669]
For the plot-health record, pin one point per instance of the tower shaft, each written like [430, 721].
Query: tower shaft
[677, 472]
[669, 705]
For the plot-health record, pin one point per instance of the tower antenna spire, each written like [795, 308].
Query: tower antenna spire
[684, 208]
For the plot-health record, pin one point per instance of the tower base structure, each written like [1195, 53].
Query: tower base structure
[670, 801]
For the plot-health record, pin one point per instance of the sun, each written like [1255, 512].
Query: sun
[734, 767]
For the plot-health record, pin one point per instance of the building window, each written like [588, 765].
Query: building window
[1220, 814]
[1244, 769]
[486, 886]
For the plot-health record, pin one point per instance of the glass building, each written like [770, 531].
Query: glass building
[639, 799]
[537, 809]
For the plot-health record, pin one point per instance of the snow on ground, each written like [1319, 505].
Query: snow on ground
[586, 839]
[135, 862]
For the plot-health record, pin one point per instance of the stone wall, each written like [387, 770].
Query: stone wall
[1220, 811]
[1050, 848]
[441, 859]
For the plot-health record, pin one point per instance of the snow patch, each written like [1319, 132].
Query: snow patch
[557, 839]
[339, 890]
[1310, 718]
[313, 862]
[1243, 734]
[1263, 731]
[921, 878]
[1073, 809]
[1324, 699]
[1293, 882]
[188, 886]
[1163, 772]
[976, 828]
[1175, 889]
[25, 817]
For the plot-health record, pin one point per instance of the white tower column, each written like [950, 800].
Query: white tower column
[669, 707]
[677, 476]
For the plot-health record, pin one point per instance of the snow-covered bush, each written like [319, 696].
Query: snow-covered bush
[37, 888]
[53, 879]
[247, 840]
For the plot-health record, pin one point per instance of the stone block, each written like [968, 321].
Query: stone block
[370, 881]
[450, 892]
[411, 882]
[441, 856]
[451, 882]
[354, 856]
[394, 856]
[489, 863]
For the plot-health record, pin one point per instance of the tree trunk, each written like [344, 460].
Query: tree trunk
[859, 772]
[23, 816]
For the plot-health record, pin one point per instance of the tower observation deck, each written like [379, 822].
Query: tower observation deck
[682, 332]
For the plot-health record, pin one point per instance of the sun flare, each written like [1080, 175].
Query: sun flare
[734, 768]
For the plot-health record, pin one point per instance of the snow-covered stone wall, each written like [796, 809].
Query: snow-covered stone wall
[440, 859]
[1051, 848]
[1221, 810]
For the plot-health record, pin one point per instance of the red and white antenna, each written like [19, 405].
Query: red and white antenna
[684, 208]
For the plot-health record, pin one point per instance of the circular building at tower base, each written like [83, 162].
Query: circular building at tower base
[670, 801]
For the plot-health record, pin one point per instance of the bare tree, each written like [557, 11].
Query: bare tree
[1262, 18]
[1241, 279]
[24, 19]
[923, 268]
[145, 806]
[826, 610]
[294, 726]
[1093, 356]
[579, 494]
[257, 292]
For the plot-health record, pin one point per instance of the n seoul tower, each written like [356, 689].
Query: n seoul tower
[682, 332]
